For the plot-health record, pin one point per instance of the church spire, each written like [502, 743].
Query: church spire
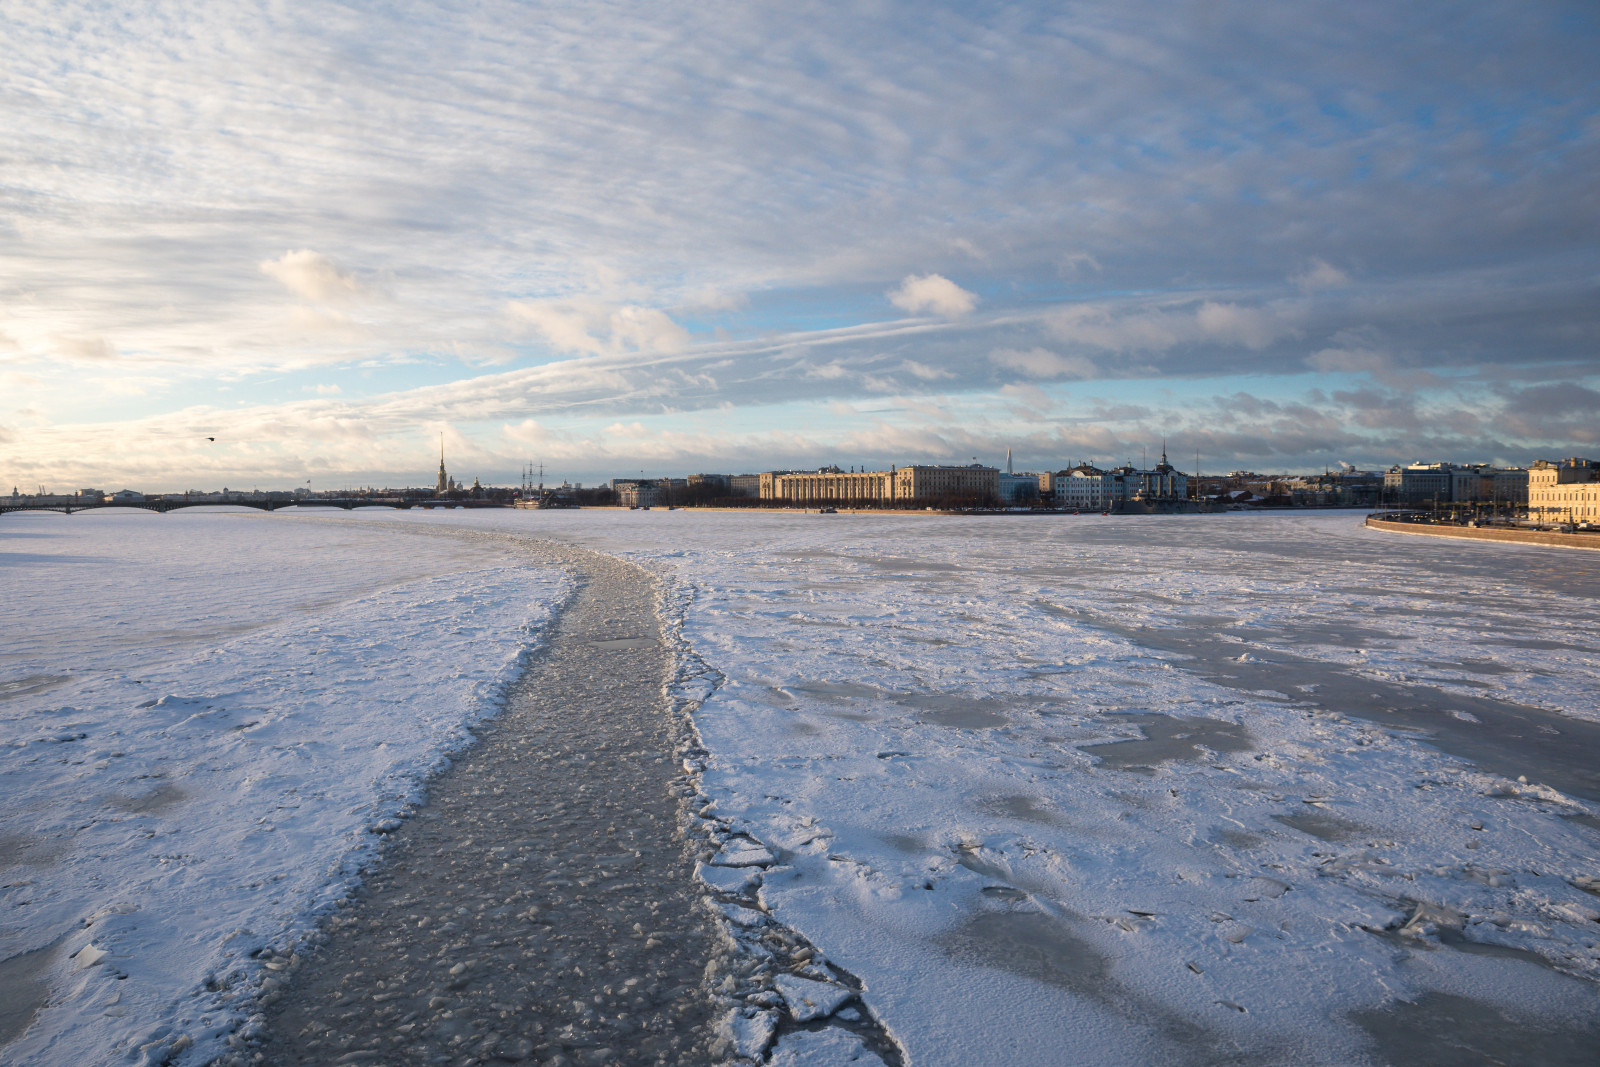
[444, 479]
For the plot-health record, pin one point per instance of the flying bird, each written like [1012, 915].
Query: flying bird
[211, 439]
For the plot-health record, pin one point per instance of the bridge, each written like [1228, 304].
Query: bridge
[162, 506]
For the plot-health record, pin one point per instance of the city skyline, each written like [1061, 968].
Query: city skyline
[264, 244]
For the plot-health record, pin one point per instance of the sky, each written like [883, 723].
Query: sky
[731, 237]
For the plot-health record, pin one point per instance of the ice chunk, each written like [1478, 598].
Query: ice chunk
[742, 916]
[726, 879]
[749, 1036]
[823, 1048]
[88, 956]
[742, 852]
[809, 1000]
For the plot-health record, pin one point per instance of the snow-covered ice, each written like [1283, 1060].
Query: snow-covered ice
[1138, 790]
[1239, 788]
[207, 721]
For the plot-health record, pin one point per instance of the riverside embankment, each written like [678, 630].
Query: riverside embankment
[1552, 538]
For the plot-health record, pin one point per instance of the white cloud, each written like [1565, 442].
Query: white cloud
[590, 327]
[1321, 275]
[644, 329]
[831, 372]
[1162, 328]
[932, 294]
[86, 349]
[1234, 324]
[923, 372]
[527, 432]
[1043, 363]
[313, 276]
[709, 299]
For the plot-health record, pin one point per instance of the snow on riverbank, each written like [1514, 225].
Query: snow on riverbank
[1065, 790]
[206, 723]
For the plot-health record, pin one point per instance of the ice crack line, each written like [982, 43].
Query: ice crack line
[773, 984]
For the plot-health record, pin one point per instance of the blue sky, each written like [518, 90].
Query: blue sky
[616, 237]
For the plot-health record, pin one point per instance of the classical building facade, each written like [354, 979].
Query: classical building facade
[832, 486]
[973, 482]
[1565, 491]
[828, 485]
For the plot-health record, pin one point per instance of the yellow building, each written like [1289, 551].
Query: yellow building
[935, 483]
[1568, 491]
[832, 486]
[829, 485]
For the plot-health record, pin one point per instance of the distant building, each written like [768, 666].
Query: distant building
[744, 485]
[717, 484]
[1565, 491]
[828, 485]
[831, 485]
[975, 482]
[1013, 488]
[125, 496]
[1452, 483]
[1018, 488]
[1082, 488]
[1089, 488]
[647, 492]
[1417, 483]
[637, 492]
[1489, 485]
[446, 484]
[1162, 485]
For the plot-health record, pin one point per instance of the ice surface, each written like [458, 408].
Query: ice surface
[958, 743]
[1124, 783]
[202, 719]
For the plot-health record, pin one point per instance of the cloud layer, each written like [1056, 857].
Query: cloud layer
[757, 229]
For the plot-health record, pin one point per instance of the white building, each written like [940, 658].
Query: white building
[1088, 488]
[1083, 488]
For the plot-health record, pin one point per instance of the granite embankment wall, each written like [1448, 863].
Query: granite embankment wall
[1526, 537]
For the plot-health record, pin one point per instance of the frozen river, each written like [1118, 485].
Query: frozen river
[1195, 789]
[1219, 789]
